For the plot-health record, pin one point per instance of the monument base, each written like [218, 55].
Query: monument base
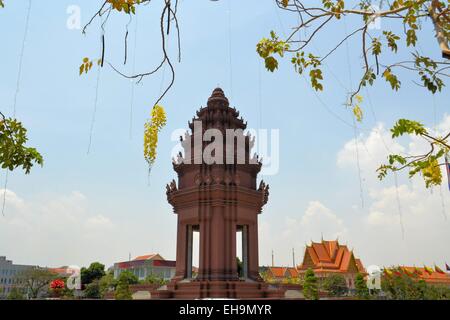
[202, 289]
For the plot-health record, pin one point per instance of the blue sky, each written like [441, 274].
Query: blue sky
[101, 206]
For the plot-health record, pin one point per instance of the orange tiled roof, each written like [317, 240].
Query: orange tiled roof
[293, 272]
[277, 272]
[59, 271]
[283, 272]
[330, 256]
[433, 277]
[148, 257]
[360, 266]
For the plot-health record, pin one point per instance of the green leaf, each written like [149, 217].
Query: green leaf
[392, 79]
[411, 37]
[403, 126]
[271, 63]
[392, 40]
[376, 46]
[13, 152]
[393, 158]
[316, 75]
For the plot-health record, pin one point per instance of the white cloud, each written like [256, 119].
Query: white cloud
[373, 149]
[420, 211]
[11, 198]
[299, 230]
[319, 219]
[316, 220]
[56, 231]
[99, 222]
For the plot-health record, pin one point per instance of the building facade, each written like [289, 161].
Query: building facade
[330, 257]
[10, 277]
[143, 266]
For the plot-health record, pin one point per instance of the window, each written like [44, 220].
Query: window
[242, 250]
[192, 249]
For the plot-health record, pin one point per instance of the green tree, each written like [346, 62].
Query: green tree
[95, 271]
[15, 294]
[335, 285]
[437, 292]
[93, 290]
[401, 286]
[154, 279]
[362, 292]
[37, 280]
[265, 275]
[107, 283]
[129, 276]
[122, 291]
[310, 287]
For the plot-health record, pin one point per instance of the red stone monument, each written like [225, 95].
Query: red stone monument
[217, 197]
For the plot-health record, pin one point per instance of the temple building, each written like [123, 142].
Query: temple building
[280, 274]
[330, 257]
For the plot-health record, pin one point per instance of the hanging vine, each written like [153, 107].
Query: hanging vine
[13, 135]
[168, 15]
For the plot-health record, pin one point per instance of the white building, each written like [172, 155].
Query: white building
[9, 276]
[146, 265]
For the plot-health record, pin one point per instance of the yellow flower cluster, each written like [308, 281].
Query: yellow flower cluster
[125, 5]
[87, 65]
[152, 127]
[432, 173]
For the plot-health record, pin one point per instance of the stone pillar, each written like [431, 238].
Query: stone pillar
[181, 250]
[253, 267]
[218, 244]
[245, 251]
[232, 248]
[189, 247]
[204, 267]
